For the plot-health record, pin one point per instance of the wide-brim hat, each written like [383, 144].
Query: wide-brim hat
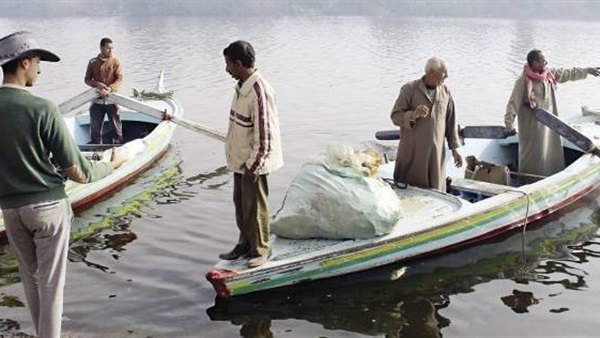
[21, 44]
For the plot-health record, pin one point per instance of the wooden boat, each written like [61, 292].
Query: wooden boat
[147, 133]
[388, 292]
[435, 221]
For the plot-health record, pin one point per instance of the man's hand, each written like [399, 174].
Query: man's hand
[509, 130]
[117, 158]
[594, 71]
[103, 89]
[457, 158]
[249, 175]
[421, 111]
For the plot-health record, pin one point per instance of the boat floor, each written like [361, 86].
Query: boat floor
[131, 130]
[419, 208]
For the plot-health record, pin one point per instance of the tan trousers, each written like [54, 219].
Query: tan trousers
[39, 237]
[251, 199]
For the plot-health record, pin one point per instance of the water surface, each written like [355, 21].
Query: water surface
[138, 259]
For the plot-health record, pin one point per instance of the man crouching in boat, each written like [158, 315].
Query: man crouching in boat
[37, 214]
[253, 150]
[424, 111]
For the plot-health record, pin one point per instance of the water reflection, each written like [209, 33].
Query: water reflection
[405, 300]
[113, 232]
[519, 301]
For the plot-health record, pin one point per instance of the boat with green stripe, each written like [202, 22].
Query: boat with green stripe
[433, 221]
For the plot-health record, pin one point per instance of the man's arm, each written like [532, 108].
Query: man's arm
[262, 141]
[67, 154]
[572, 74]
[514, 103]
[88, 79]
[451, 132]
[118, 74]
[403, 115]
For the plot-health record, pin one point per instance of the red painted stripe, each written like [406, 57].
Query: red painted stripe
[263, 127]
[243, 118]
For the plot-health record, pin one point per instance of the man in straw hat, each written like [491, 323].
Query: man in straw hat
[37, 214]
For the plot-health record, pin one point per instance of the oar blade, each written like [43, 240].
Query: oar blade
[485, 132]
[565, 130]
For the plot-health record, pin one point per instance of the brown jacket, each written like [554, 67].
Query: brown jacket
[107, 71]
[421, 153]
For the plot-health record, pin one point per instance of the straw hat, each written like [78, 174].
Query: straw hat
[20, 44]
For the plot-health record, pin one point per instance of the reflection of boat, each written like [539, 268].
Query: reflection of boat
[403, 300]
[433, 221]
[146, 139]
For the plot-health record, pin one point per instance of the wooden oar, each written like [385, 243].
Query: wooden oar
[487, 132]
[151, 111]
[78, 100]
[563, 129]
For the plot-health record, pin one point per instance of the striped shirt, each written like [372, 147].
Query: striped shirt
[253, 138]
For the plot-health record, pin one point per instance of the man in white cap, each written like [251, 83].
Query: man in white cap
[37, 214]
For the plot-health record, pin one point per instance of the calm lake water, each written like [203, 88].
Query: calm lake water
[138, 259]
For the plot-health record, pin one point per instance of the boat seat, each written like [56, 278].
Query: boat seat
[97, 147]
[479, 187]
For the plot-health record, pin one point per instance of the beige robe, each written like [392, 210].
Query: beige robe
[540, 148]
[421, 153]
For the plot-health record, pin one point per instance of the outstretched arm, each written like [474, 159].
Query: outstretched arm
[574, 74]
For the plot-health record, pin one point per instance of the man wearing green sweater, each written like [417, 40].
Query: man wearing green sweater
[37, 214]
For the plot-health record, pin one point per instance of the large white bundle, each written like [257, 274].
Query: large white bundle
[333, 197]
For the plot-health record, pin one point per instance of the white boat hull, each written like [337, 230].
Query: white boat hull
[142, 152]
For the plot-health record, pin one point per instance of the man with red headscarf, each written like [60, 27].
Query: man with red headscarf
[540, 148]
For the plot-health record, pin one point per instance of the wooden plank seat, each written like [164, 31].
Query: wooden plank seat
[479, 187]
[97, 147]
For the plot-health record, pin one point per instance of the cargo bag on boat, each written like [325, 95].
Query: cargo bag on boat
[486, 172]
[337, 197]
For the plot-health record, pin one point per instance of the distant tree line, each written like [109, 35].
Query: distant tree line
[557, 9]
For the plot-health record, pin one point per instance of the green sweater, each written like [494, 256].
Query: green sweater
[31, 128]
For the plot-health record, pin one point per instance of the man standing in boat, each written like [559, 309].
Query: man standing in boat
[36, 211]
[540, 148]
[105, 73]
[253, 150]
[424, 111]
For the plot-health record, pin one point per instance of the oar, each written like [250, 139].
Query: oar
[151, 111]
[487, 132]
[563, 129]
[79, 100]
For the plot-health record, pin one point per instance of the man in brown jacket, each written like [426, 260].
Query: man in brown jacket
[105, 73]
[424, 111]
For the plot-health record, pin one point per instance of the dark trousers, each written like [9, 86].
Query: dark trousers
[251, 199]
[97, 112]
